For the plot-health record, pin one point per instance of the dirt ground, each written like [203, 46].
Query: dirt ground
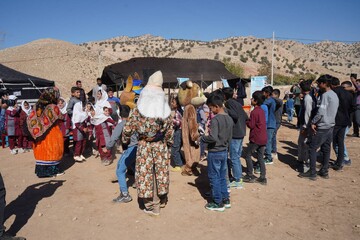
[78, 205]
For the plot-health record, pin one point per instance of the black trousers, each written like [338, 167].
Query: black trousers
[338, 140]
[2, 204]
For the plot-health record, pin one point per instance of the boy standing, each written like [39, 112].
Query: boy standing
[218, 142]
[271, 122]
[239, 117]
[257, 138]
[278, 117]
[75, 98]
[322, 126]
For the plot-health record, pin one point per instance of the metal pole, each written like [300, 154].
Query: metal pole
[272, 60]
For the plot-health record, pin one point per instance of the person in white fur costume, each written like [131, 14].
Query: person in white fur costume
[151, 119]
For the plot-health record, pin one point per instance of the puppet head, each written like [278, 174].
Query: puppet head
[187, 91]
[131, 91]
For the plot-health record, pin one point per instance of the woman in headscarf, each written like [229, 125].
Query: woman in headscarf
[151, 119]
[64, 124]
[43, 126]
[102, 101]
[24, 142]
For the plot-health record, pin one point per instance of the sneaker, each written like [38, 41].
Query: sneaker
[20, 150]
[106, 162]
[78, 159]
[249, 178]
[212, 206]
[226, 203]
[59, 174]
[123, 198]
[176, 169]
[7, 236]
[13, 152]
[151, 212]
[261, 180]
[323, 175]
[268, 161]
[347, 162]
[236, 185]
[82, 157]
[337, 168]
[307, 175]
[257, 169]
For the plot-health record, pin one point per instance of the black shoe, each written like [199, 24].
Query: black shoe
[249, 178]
[261, 180]
[308, 175]
[323, 175]
[337, 168]
[355, 135]
[6, 236]
[226, 202]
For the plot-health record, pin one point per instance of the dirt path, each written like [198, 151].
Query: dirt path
[78, 204]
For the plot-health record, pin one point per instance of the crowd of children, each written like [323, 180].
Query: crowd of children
[324, 118]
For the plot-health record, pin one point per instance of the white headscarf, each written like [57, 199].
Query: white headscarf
[99, 118]
[79, 114]
[102, 102]
[27, 111]
[12, 98]
[63, 110]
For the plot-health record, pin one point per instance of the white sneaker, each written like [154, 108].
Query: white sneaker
[21, 150]
[78, 159]
[82, 157]
[13, 152]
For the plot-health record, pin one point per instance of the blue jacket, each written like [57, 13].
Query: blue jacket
[271, 104]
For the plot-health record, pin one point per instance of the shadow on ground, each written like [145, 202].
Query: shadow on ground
[23, 207]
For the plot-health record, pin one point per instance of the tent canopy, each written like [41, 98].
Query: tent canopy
[22, 85]
[201, 71]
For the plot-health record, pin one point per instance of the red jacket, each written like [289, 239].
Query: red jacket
[103, 132]
[257, 125]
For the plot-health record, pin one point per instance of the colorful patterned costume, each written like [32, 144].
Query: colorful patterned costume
[44, 128]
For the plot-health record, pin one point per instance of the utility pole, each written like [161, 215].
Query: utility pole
[272, 60]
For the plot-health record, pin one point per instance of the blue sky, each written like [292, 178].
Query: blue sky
[81, 21]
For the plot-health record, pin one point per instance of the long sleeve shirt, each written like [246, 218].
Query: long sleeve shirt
[257, 126]
[220, 133]
[327, 110]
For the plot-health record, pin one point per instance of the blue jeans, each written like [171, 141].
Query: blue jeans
[274, 145]
[234, 164]
[175, 149]
[126, 160]
[217, 175]
[336, 146]
[290, 114]
[269, 144]
[322, 139]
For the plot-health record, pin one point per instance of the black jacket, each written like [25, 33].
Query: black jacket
[238, 115]
[346, 106]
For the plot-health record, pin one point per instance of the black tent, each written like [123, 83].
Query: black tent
[202, 71]
[22, 85]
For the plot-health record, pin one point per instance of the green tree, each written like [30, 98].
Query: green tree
[234, 68]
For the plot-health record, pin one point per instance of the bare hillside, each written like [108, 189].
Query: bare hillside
[56, 60]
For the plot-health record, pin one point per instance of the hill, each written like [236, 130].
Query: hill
[65, 62]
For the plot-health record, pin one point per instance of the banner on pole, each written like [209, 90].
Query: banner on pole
[258, 83]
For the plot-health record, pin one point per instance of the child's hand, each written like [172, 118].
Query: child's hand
[104, 149]
[85, 129]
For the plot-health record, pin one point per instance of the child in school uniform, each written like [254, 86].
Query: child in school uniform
[64, 124]
[218, 143]
[12, 123]
[290, 107]
[24, 142]
[80, 130]
[103, 125]
[257, 138]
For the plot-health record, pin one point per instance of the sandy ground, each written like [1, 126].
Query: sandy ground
[78, 205]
